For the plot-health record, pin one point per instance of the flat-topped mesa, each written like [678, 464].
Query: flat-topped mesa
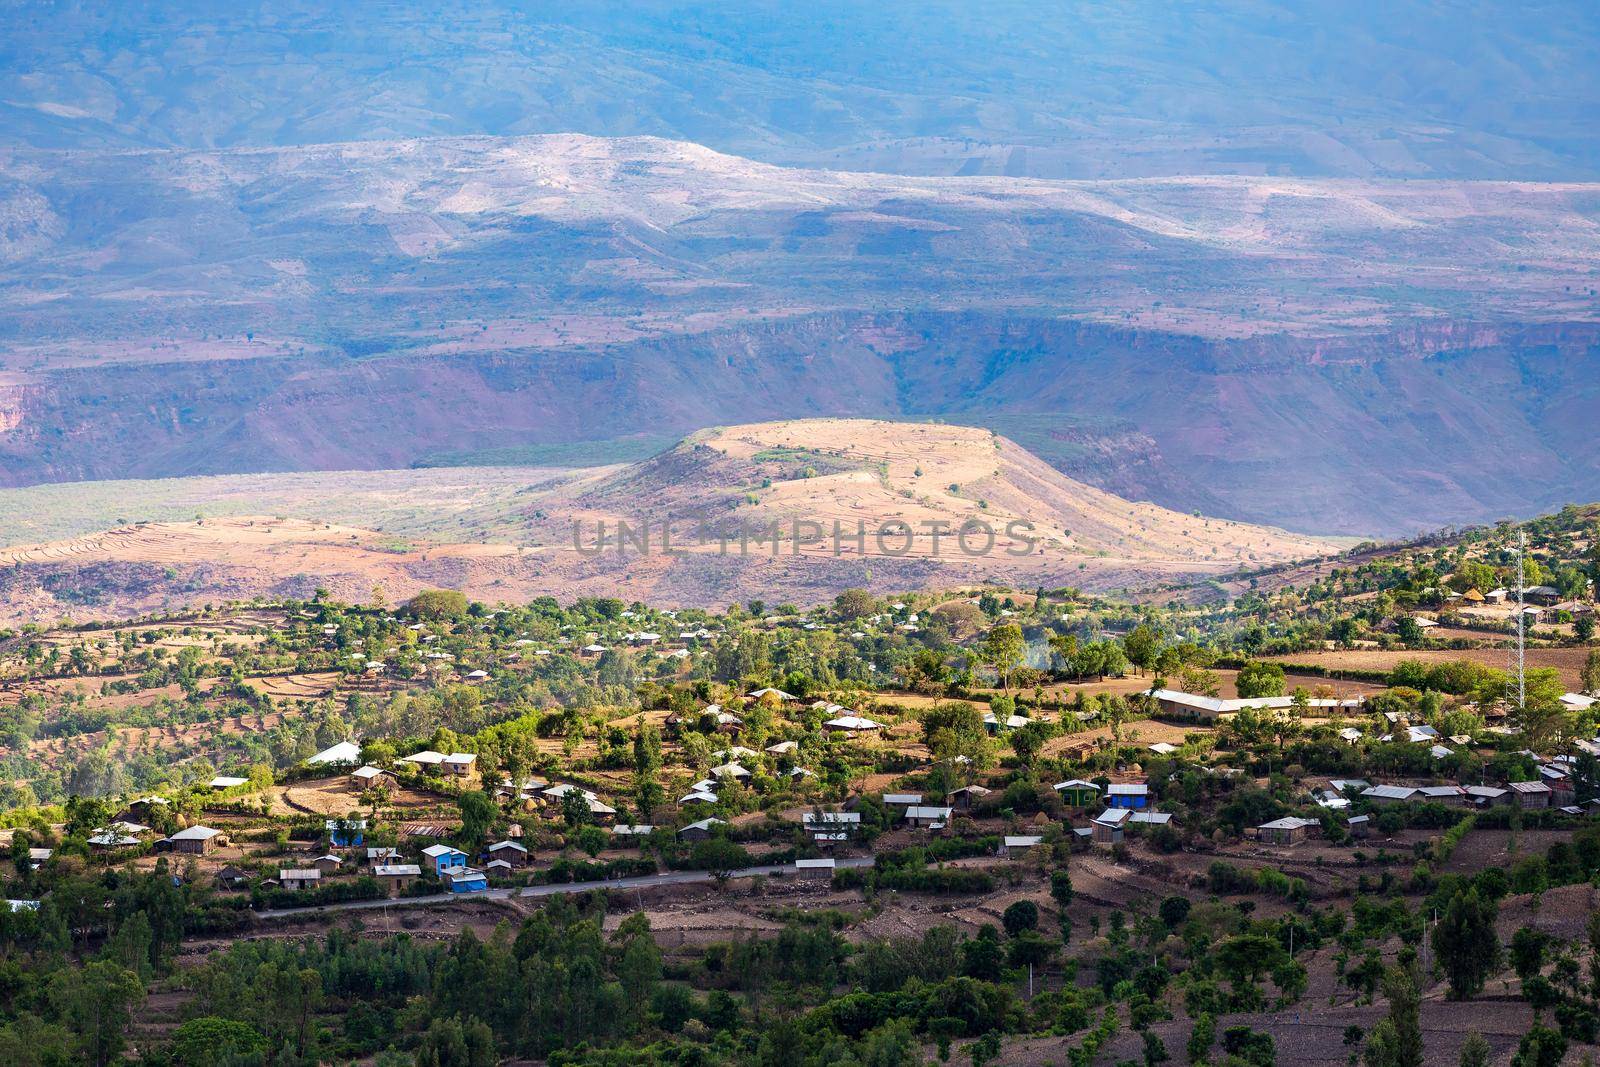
[856, 472]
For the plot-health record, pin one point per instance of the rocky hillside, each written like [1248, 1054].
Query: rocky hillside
[865, 473]
[724, 492]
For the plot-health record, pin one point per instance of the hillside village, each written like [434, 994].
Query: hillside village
[1134, 830]
[677, 533]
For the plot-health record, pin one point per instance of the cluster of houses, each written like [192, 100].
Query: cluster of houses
[1538, 602]
[388, 865]
[841, 719]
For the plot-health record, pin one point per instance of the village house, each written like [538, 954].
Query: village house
[1015, 846]
[300, 878]
[815, 868]
[394, 877]
[852, 724]
[343, 752]
[1286, 831]
[329, 864]
[380, 855]
[458, 763]
[700, 831]
[197, 840]
[442, 858]
[1389, 794]
[510, 852]
[117, 835]
[427, 759]
[1107, 827]
[1486, 796]
[1178, 704]
[963, 798]
[1132, 795]
[1078, 793]
[1450, 795]
[366, 777]
[145, 807]
[231, 879]
[464, 880]
[346, 833]
[901, 801]
[994, 724]
[637, 830]
[831, 827]
[1530, 794]
[928, 816]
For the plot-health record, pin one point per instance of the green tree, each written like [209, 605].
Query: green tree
[1466, 943]
[1142, 645]
[437, 604]
[894, 1044]
[1246, 957]
[981, 956]
[1540, 1047]
[1396, 1040]
[1028, 741]
[96, 1001]
[1020, 915]
[1474, 1051]
[1527, 952]
[1003, 649]
[720, 856]
[1061, 887]
[1174, 910]
[130, 946]
[210, 1039]
[478, 813]
[457, 1043]
[1260, 679]
[29, 1041]
[1065, 648]
[1201, 1039]
[639, 970]
[854, 604]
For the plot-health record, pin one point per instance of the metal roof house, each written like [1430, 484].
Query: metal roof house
[465, 880]
[1286, 831]
[1128, 795]
[442, 858]
[1077, 792]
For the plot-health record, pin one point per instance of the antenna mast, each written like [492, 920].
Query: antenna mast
[1522, 617]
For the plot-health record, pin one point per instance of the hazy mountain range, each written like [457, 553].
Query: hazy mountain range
[1330, 267]
[1458, 89]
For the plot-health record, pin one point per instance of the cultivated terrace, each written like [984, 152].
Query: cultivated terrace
[1310, 820]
